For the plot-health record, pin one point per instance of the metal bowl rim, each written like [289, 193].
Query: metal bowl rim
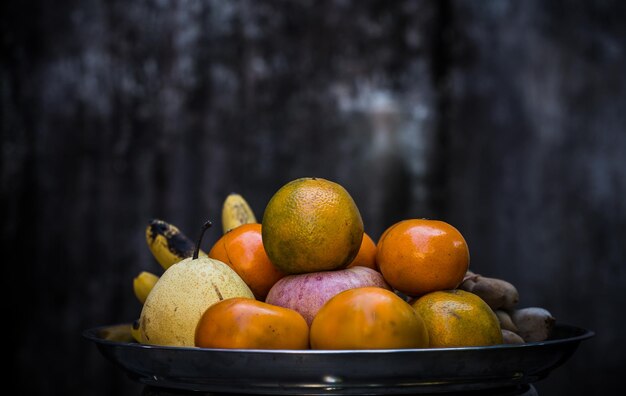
[92, 335]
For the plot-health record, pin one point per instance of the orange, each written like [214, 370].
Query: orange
[366, 257]
[311, 225]
[242, 249]
[418, 256]
[384, 234]
[251, 324]
[456, 318]
[367, 318]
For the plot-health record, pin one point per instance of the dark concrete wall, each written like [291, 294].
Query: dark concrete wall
[503, 118]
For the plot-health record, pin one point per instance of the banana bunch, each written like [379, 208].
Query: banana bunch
[169, 245]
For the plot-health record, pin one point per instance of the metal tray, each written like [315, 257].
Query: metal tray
[389, 371]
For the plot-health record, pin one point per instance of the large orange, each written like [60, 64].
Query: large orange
[366, 257]
[367, 318]
[250, 324]
[384, 234]
[311, 225]
[418, 256]
[456, 318]
[242, 249]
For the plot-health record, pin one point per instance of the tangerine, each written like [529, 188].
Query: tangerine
[419, 256]
[456, 318]
[367, 318]
[366, 257]
[310, 225]
[242, 249]
[251, 324]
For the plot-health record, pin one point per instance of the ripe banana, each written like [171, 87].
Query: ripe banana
[235, 212]
[167, 244]
[142, 284]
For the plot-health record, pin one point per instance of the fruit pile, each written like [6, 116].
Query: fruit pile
[308, 276]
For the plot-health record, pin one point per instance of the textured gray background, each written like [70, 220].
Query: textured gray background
[505, 118]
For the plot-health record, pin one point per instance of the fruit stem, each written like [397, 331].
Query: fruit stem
[205, 227]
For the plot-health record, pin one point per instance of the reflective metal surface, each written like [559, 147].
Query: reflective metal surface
[338, 372]
[520, 390]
